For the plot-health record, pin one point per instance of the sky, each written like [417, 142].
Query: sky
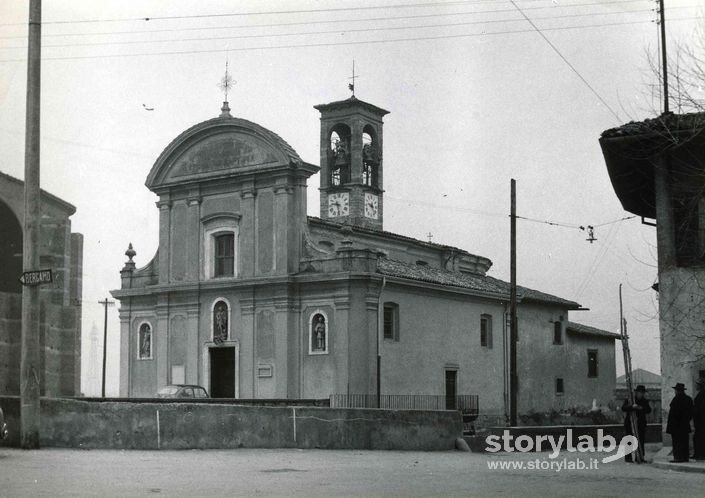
[477, 95]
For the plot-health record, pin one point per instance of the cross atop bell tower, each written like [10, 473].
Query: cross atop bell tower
[351, 85]
[351, 162]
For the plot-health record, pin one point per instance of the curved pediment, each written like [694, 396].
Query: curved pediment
[222, 152]
[217, 148]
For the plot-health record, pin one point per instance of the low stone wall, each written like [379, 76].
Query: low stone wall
[72, 423]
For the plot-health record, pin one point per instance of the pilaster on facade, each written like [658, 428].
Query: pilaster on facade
[248, 192]
[283, 189]
[164, 203]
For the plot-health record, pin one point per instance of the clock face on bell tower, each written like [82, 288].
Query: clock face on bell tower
[351, 163]
[371, 206]
[338, 204]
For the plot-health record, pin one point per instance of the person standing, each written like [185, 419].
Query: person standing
[640, 409]
[699, 422]
[678, 426]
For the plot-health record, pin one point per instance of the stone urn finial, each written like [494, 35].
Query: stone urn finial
[130, 253]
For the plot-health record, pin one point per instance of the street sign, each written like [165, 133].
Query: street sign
[37, 277]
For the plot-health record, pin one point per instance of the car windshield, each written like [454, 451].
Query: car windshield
[168, 391]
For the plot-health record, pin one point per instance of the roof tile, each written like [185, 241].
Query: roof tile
[475, 282]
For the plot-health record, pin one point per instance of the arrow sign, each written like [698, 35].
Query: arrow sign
[36, 277]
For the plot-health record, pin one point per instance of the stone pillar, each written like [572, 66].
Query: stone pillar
[160, 336]
[248, 234]
[342, 350]
[284, 227]
[126, 357]
[193, 348]
[294, 334]
[247, 347]
[125, 314]
[193, 240]
[164, 206]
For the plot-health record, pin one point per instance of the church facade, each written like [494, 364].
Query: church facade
[251, 298]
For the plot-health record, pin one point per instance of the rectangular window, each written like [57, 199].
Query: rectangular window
[391, 322]
[557, 333]
[592, 363]
[559, 386]
[451, 389]
[486, 331]
[224, 255]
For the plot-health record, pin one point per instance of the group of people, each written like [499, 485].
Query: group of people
[683, 410]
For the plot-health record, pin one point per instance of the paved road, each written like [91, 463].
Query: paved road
[54, 472]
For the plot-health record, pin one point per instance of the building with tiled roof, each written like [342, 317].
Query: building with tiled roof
[250, 297]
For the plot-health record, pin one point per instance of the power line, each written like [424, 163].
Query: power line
[504, 215]
[329, 21]
[555, 49]
[273, 35]
[307, 11]
[553, 223]
[329, 44]
[614, 221]
[440, 206]
[305, 33]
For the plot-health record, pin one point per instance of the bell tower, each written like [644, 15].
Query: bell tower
[351, 163]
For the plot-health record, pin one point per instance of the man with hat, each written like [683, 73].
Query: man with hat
[678, 425]
[699, 422]
[639, 409]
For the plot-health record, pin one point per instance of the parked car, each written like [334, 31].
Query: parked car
[3, 425]
[182, 391]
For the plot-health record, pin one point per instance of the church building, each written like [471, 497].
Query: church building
[251, 298]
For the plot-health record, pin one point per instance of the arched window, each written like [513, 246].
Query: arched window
[318, 333]
[144, 341]
[220, 245]
[369, 144]
[221, 321]
[339, 154]
[366, 137]
[369, 157]
[337, 145]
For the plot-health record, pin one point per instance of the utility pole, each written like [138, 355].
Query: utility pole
[513, 378]
[665, 230]
[30, 370]
[105, 304]
[664, 58]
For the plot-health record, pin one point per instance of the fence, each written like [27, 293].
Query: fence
[466, 403]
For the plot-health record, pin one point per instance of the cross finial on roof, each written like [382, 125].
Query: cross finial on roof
[351, 86]
[430, 236]
[226, 85]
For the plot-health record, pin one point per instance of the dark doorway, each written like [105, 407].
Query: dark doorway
[451, 389]
[222, 372]
[10, 250]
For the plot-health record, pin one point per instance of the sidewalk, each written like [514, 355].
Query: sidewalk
[662, 460]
